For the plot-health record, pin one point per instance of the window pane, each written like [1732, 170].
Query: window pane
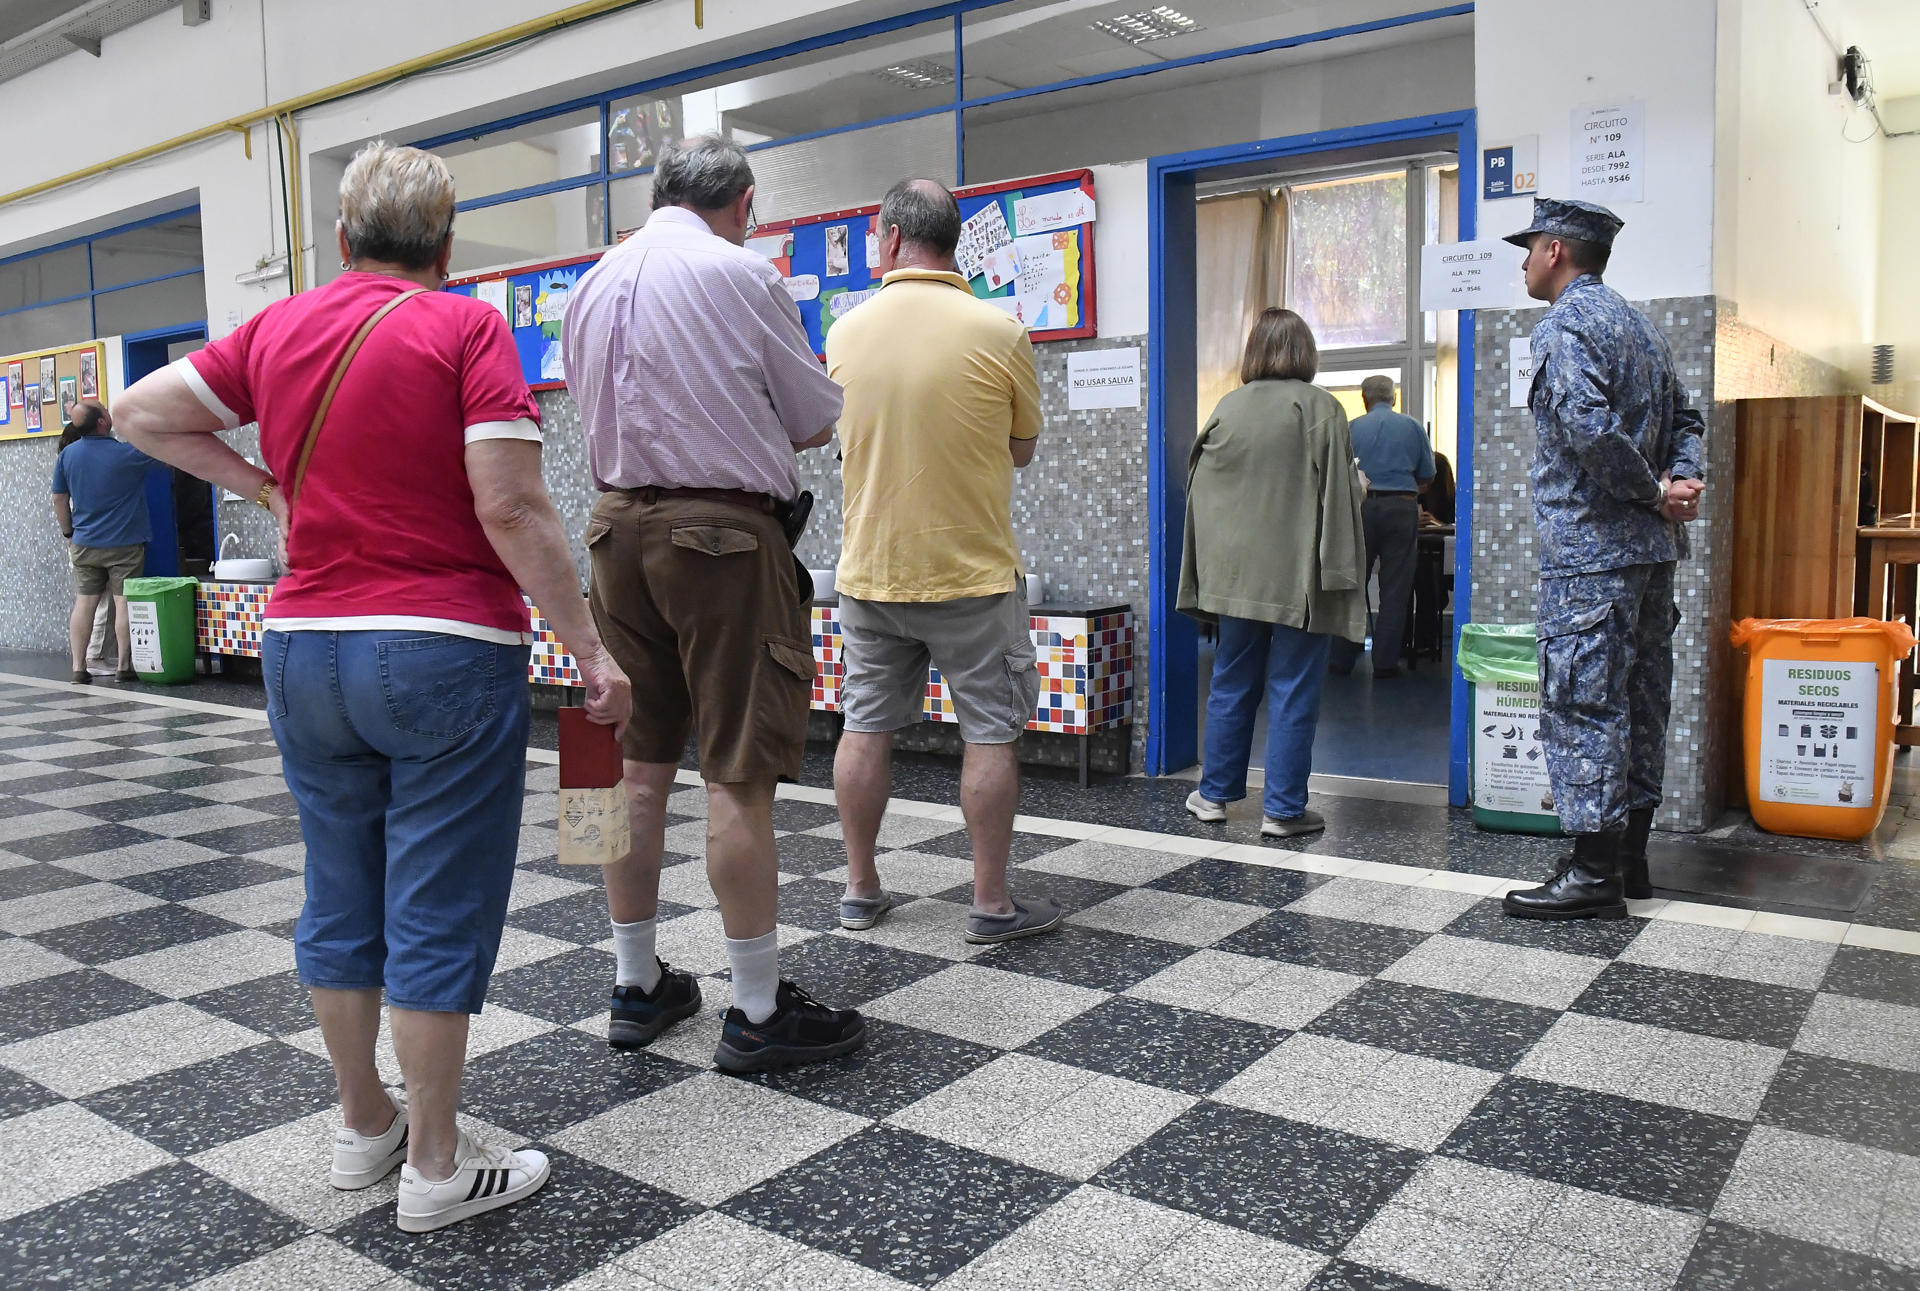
[852, 169]
[1347, 259]
[52, 275]
[43, 328]
[148, 252]
[157, 304]
[539, 152]
[632, 202]
[841, 85]
[1345, 386]
[533, 228]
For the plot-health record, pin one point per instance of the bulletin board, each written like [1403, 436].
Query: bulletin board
[827, 259]
[533, 299]
[33, 408]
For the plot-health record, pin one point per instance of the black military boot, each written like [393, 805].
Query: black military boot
[1633, 855]
[1587, 887]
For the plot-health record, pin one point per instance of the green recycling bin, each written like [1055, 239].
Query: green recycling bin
[1511, 792]
[160, 628]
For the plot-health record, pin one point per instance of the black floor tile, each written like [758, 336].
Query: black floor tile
[1603, 938]
[32, 880]
[811, 903]
[196, 778]
[1092, 957]
[1157, 1044]
[242, 752]
[192, 1109]
[278, 1005]
[1281, 1179]
[243, 840]
[847, 972]
[93, 761]
[1835, 886]
[1024, 847]
[135, 933]
[1343, 1276]
[18, 1095]
[580, 917]
[584, 1217]
[905, 1205]
[1648, 1152]
[1073, 894]
[897, 1066]
[541, 1086]
[1873, 1106]
[794, 816]
[1706, 1005]
[1343, 945]
[1884, 975]
[562, 988]
[1731, 1258]
[24, 785]
[11, 806]
[1233, 881]
[79, 842]
[131, 811]
[1467, 1029]
[168, 1227]
[805, 854]
[185, 882]
[49, 1004]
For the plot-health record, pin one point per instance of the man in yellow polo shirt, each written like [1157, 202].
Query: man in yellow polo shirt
[942, 403]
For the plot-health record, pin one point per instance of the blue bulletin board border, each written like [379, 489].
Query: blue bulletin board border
[808, 246]
[546, 286]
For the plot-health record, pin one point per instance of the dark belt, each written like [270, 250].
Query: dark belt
[737, 497]
[1391, 493]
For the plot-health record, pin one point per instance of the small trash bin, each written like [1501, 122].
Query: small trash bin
[160, 628]
[1511, 791]
[1821, 708]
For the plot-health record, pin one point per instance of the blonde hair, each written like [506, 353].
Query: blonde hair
[396, 205]
[1280, 348]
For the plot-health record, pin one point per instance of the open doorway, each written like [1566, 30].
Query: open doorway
[1333, 232]
[179, 507]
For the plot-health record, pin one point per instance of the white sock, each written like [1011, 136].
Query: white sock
[756, 974]
[634, 962]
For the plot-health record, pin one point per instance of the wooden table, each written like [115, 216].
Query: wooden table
[1889, 588]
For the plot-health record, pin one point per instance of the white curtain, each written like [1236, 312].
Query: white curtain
[1240, 269]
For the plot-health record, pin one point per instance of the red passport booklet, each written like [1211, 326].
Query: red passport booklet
[589, 752]
[593, 807]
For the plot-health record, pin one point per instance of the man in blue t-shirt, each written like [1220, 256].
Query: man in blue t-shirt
[1393, 453]
[100, 500]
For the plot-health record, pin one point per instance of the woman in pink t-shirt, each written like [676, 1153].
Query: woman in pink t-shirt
[395, 656]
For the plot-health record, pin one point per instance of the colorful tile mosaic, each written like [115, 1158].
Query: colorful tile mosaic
[228, 617]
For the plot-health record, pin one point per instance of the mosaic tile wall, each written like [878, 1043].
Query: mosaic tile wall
[1506, 566]
[36, 596]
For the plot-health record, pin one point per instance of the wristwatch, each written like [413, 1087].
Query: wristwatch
[266, 491]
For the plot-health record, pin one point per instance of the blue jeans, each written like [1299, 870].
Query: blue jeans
[407, 755]
[1283, 666]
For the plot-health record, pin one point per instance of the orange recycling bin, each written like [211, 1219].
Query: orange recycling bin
[1822, 703]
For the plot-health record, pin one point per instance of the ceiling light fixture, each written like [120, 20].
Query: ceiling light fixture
[919, 74]
[1157, 23]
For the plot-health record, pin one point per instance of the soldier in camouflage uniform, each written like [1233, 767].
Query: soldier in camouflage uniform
[1616, 476]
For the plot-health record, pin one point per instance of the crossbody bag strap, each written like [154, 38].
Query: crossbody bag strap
[340, 371]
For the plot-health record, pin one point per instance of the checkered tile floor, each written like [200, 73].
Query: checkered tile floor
[1220, 1074]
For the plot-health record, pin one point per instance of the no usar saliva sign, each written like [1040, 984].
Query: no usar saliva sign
[1609, 155]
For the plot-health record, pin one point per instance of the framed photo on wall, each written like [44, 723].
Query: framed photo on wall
[16, 384]
[33, 407]
[69, 396]
[47, 391]
[89, 374]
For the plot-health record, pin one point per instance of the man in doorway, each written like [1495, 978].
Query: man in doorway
[942, 405]
[1394, 456]
[100, 502]
[697, 385]
[1616, 476]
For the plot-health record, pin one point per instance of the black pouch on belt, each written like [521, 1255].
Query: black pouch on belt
[793, 516]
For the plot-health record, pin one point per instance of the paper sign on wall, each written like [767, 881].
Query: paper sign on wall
[1472, 275]
[1510, 169]
[1041, 285]
[1051, 211]
[1519, 371]
[1001, 267]
[497, 292]
[984, 232]
[1609, 152]
[1103, 379]
[774, 246]
[806, 286]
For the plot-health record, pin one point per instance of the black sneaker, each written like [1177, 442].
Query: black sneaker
[640, 1017]
[801, 1030]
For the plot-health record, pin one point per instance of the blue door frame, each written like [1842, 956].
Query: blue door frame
[1173, 652]
[142, 353]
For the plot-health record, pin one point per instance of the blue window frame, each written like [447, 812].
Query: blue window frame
[116, 260]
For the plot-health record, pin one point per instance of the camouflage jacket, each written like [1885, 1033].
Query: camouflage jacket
[1610, 417]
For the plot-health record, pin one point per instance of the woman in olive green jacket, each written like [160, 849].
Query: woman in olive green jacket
[1274, 555]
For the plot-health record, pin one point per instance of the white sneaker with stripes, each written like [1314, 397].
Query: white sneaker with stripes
[484, 1178]
[360, 1161]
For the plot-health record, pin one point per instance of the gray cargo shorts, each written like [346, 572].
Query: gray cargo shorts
[981, 645]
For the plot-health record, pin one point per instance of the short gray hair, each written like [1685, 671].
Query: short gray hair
[396, 205]
[1376, 389]
[704, 173]
[925, 213]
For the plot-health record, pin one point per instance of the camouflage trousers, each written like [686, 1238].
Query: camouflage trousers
[1606, 682]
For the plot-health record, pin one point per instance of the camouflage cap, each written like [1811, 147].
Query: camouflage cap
[1569, 219]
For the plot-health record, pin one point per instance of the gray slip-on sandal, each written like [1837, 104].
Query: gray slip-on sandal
[857, 914]
[1044, 915]
[1309, 822]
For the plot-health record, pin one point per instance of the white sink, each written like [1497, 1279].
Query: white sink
[243, 571]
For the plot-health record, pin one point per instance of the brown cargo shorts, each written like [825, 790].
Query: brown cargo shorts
[105, 570]
[698, 598]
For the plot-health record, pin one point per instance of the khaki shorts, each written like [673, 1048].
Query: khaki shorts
[699, 600]
[981, 645]
[98, 570]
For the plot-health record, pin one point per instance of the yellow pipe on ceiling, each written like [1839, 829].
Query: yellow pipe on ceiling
[479, 44]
